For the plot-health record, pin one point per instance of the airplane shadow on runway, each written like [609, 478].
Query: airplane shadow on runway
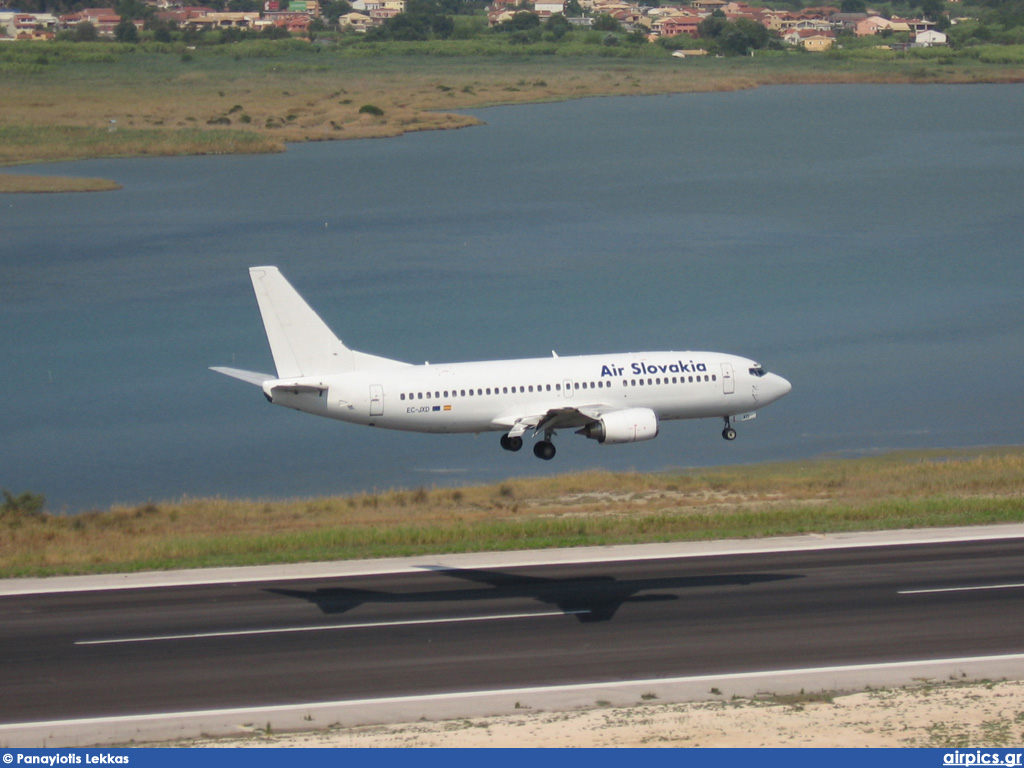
[588, 598]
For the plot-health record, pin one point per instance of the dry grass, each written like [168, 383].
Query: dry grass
[254, 98]
[590, 508]
[24, 183]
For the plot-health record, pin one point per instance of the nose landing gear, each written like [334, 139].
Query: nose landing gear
[728, 433]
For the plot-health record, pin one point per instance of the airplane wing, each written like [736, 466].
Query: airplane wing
[554, 418]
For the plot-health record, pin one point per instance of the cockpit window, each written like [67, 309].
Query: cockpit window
[758, 371]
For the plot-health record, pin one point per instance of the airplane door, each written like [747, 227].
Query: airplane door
[567, 388]
[376, 400]
[728, 382]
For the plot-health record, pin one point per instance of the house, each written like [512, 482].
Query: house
[913, 25]
[379, 15]
[776, 20]
[224, 20]
[104, 19]
[846, 21]
[929, 38]
[15, 25]
[708, 6]
[810, 39]
[803, 24]
[355, 22]
[871, 25]
[671, 26]
[548, 9]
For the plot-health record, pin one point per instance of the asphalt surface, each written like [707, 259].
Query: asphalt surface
[439, 630]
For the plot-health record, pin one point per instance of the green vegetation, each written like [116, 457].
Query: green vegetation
[67, 101]
[593, 508]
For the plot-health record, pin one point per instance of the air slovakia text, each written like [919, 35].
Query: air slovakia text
[650, 369]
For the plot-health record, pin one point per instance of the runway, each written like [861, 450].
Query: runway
[433, 630]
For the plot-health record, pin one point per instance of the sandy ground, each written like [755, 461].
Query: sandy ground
[953, 716]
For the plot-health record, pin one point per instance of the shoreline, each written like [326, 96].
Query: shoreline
[244, 107]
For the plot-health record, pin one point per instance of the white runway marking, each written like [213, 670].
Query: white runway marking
[326, 628]
[513, 693]
[959, 589]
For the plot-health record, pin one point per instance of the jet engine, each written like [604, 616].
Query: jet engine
[627, 426]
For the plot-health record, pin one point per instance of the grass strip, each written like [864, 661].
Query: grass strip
[25, 183]
[587, 509]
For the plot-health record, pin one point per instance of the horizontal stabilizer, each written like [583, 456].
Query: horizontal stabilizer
[250, 377]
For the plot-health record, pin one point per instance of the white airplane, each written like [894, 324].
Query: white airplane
[617, 398]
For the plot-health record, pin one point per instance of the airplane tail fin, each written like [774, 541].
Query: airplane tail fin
[301, 343]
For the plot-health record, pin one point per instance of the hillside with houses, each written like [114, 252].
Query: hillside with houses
[674, 25]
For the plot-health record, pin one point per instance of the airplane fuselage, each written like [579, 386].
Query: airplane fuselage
[489, 396]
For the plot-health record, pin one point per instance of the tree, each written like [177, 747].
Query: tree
[605, 22]
[162, 30]
[558, 26]
[933, 9]
[332, 9]
[422, 20]
[86, 32]
[854, 6]
[23, 505]
[521, 21]
[133, 9]
[126, 32]
[735, 38]
[711, 27]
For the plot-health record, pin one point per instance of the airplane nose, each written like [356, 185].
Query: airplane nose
[782, 386]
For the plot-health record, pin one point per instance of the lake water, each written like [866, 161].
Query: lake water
[863, 241]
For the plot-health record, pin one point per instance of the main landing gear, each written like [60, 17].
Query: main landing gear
[728, 433]
[542, 449]
[511, 443]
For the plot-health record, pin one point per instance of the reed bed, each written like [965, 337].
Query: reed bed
[590, 508]
[60, 99]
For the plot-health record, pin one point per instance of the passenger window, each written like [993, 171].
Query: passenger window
[558, 387]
